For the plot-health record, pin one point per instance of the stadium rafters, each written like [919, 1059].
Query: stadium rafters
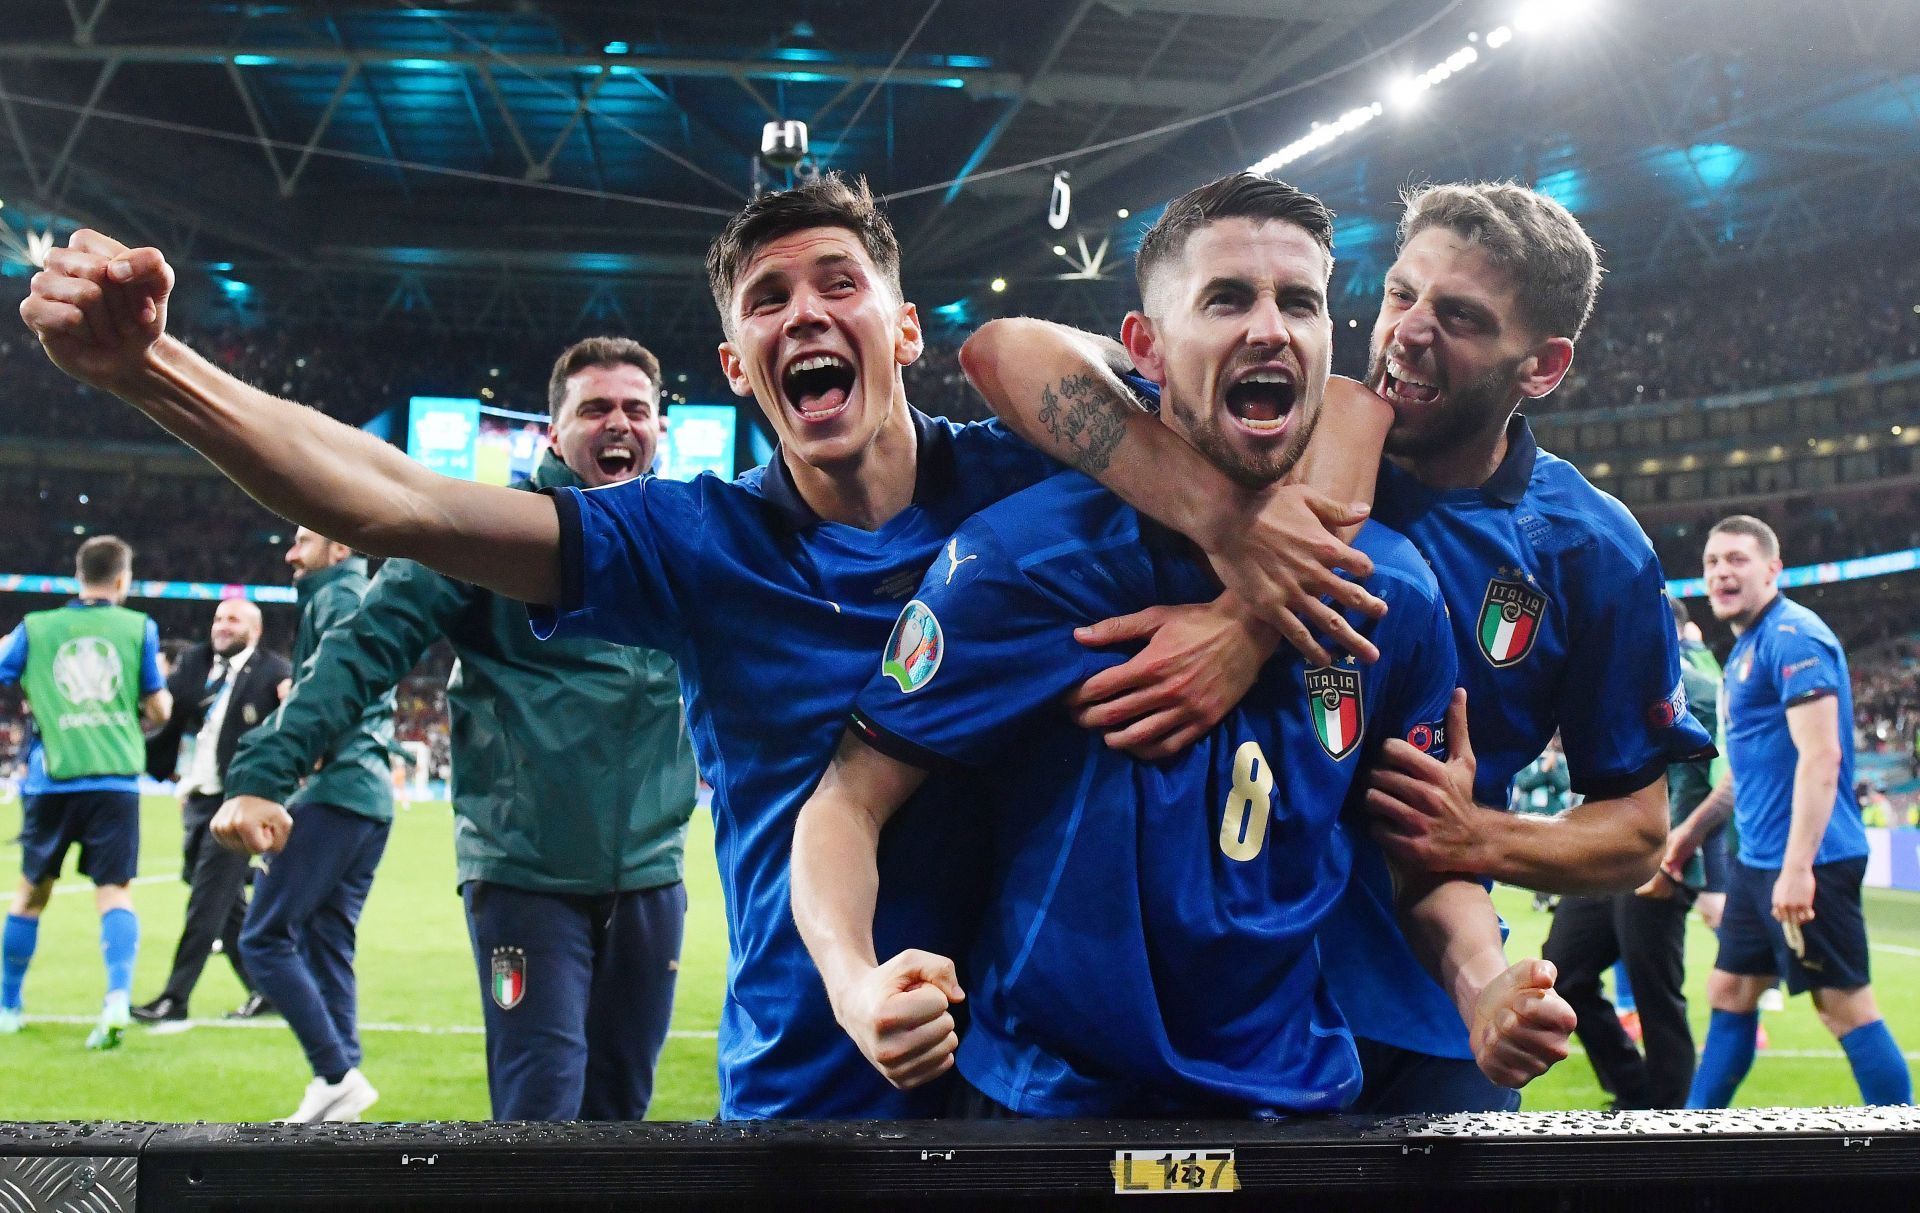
[578, 156]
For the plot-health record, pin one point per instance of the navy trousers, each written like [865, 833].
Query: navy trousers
[577, 991]
[298, 939]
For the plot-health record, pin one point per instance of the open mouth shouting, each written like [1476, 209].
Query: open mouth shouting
[1400, 384]
[818, 387]
[618, 460]
[1261, 400]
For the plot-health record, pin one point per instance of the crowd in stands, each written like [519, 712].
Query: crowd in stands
[1779, 321]
[1811, 531]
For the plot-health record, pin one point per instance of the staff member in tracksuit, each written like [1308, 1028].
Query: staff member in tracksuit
[298, 938]
[573, 779]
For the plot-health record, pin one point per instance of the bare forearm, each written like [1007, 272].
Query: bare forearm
[1058, 388]
[1602, 846]
[1816, 781]
[1453, 929]
[1707, 816]
[346, 484]
[836, 883]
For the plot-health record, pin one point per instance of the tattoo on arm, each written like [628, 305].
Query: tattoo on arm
[1086, 419]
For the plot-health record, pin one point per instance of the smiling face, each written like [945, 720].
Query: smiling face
[1450, 353]
[1740, 576]
[236, 626]
[608, 427]
[818, 335]
[312, 552]
[1239, 338]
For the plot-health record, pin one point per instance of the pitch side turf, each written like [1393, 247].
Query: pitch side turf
[421, 1017]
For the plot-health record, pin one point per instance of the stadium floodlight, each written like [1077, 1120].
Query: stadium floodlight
[1531, 16]
[1499, 38]
[1405, 92]
[997, 285]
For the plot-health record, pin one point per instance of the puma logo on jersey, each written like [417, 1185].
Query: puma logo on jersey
[955, 559]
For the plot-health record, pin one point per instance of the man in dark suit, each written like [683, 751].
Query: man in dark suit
[225, 688]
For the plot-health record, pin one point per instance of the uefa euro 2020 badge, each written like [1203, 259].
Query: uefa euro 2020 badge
[509, 984]
[915, 648]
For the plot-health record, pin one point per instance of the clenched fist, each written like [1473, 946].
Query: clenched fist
[899, 1014]
[98, 307]
[1521, 1025]
[252, 825]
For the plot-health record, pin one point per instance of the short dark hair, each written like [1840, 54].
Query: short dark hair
[1554, 264]
[829, 200]
[1747, 524]
[1240, 196]
[101, 559]
[598, 351]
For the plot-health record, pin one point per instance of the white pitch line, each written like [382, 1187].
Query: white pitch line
[417, 1029]
[86, 886]
[1896, 949]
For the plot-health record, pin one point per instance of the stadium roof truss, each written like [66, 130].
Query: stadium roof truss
[546, 164]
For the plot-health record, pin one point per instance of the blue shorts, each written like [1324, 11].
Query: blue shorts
[105, 824]
[1716, 860]
[1400, 1082]
[1834, 955]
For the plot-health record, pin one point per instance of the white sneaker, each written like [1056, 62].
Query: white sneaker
[343, 1100]
[1773, 1000]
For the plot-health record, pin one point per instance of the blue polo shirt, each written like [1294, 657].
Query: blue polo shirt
[773, 617]
[1560, 622]
[1788, 657]
[13, 665]
[1149, 946]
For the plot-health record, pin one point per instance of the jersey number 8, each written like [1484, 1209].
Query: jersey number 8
[1243, 824]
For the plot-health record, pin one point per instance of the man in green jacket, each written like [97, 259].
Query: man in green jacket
[573, 780]
[298, 938]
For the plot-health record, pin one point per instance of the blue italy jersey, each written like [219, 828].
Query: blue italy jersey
[13, 664]
[774, 617]
[1788, 657]
[1148, 948]
[1558, 613]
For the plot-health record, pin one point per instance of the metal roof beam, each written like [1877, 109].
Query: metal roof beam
[979, 81]
[1254, 10]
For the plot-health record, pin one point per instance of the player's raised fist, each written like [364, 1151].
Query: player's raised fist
[98, 306]
[898, 1013]
[1521, 1024]
[252, 825]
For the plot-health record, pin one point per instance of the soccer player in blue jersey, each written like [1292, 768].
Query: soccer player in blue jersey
[1149, 948]
[771, 592]
[1793, 894]
[1548, 581]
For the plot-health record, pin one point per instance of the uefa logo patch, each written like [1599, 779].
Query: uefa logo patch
[915, 648]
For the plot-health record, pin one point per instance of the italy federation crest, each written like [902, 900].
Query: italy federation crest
[1510, 619]
[1333, 693]
[915, 648]
[509, 977]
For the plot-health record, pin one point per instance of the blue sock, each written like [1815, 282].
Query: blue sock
[16, 953]
[119, 944]
[1877, 1064]
[1725, 1059]
[1622, 988]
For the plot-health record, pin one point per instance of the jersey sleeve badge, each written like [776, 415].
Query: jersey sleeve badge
[915, 649]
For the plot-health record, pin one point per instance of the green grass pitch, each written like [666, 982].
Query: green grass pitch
[420, 1002]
